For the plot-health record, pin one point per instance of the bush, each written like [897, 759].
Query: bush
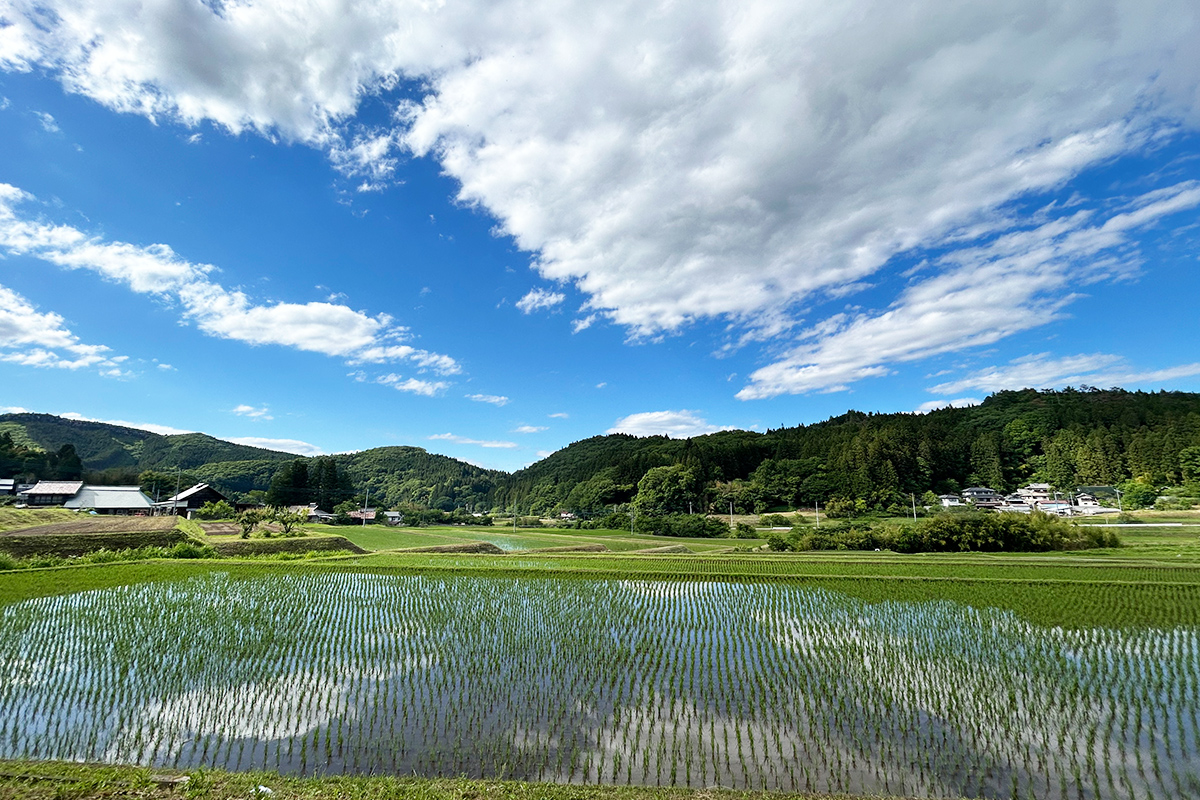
[693, 526]
[774, 521]
[744, 531]
[217, 510]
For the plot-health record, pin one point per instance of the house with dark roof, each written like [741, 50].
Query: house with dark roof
[190, 500]
[8, 486]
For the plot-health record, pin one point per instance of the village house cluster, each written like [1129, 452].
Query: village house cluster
[1035, 495]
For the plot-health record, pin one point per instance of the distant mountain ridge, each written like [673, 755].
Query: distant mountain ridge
[1072, 437]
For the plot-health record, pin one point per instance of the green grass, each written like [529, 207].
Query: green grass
[51, 780]
[13, 518]
[378, 537]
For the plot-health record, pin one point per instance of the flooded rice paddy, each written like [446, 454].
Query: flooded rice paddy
[746, 685]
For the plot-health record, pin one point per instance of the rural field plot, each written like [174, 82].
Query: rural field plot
[777, 685]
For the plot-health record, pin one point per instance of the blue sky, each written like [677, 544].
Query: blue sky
[493, 229]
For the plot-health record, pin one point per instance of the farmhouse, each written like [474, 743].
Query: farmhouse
[50, 493]
[8, 485]
[79, 496]
[950, 500]
[1035, 493]
[111, 500]
[982, 497]
[190, 500]
[312, 513]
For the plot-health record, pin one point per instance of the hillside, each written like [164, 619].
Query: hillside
[1069, 438]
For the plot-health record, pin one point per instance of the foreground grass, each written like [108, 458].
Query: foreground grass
[50, 780]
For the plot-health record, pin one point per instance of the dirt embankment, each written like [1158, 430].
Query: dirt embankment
[88, 524]
[299, 544]
[465, 547]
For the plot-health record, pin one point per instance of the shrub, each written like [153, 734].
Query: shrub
[744, 531]
[217, 510]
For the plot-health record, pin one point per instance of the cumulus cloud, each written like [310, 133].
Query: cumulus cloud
[1044, 371]
[494, 399]
[450, 437]
[538, 299]
[676, 162]
[675, 424]
[35, 338]
[319, 327]
[285, 445]
[253, 412]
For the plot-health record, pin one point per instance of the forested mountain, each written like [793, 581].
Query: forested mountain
[1069, 438]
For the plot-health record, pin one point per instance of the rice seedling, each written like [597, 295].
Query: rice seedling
[752, 685]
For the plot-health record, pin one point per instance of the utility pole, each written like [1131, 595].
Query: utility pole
[730, 515]
[366, 500]
[914, 504]
[817, 509]
[178, 475]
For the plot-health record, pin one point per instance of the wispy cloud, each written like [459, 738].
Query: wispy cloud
[284, 445]
[319, 327]
[559, 415]
[960, 402]
[252, 412]
[538, 299]
[1014, 282]
[494, 399]
[413, 385]
[450, 437]
[35, 338]
[530, 429]
[675, 424]
[1044, 371]
[165, 430]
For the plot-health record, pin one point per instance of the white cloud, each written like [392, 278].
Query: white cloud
[715, 159]
[413, 385]
[13, 410]
[327, 328]
[530, 429]
[537, 299]
[285, 445]
[35, 338]
[164, 430]
[934, 405]
[253, 412]
[47, 121]
[1043, 371]
[494, 399]
[450, 437]
[675, 424]
[559, 415]
[1014, 282]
